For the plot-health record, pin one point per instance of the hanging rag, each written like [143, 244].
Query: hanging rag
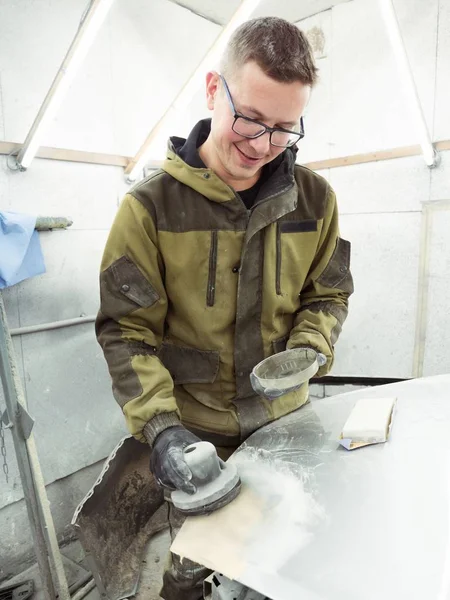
[20, 249]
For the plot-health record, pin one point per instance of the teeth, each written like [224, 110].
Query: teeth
[247, 156]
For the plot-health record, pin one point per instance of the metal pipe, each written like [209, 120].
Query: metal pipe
[355, 380]
[390, 18]
[84, 591]
[53, 325]
[49, 223]
[13, 396]
[79, 583]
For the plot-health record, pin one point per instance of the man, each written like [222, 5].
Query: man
[227, 255]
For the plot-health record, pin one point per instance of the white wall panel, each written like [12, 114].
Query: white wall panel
[89, 194]
[77, 419]
[154, 51]
[398, 185]
[442, 119]
[70, 286]
[418, 21]
[326, 173]
[194, 112]
[2, 116]
[318, 114]
[85, 118]
[437, 354]
[34, 38]
[316, 390]
[440, 177]
[4, 183]
[378, 336]
[369, 110]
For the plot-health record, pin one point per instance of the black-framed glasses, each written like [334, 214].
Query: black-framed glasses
[252, 128]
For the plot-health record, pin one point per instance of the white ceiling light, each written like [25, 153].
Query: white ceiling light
[87, 31]
[407, 80]
[184, 97]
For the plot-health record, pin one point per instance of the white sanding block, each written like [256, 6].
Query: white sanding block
[369, 422]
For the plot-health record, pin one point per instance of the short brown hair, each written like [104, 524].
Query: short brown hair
[279, 48]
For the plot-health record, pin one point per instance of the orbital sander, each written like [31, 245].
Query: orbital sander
[217, 482]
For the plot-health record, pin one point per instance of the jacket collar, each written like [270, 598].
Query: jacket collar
[207, 183]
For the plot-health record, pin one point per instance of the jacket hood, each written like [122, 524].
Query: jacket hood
[207, 183]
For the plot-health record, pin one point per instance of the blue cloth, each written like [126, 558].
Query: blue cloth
[20, 249]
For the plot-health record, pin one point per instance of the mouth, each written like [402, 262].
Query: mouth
[252, 160]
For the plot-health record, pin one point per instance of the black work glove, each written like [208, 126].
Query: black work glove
[167, 459]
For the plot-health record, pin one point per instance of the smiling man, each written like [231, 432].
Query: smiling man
[229, 254]
[238, 148]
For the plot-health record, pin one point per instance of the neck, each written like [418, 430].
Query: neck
[211, 160]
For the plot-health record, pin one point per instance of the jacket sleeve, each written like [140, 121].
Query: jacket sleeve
[130, 323]
[324, 297]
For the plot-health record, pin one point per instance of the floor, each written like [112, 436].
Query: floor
[75, 567]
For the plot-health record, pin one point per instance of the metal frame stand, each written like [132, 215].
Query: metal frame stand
[17, 419]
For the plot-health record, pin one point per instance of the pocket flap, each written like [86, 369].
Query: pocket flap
[189, 365]
[338, 269]
[124, 289]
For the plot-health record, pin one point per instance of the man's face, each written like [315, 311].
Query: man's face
[257, 96]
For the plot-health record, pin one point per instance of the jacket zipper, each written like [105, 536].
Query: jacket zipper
[278, 261]
[211, 290]
[278, 234]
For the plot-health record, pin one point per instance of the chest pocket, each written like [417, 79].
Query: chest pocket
[290, 227]
[124, 289]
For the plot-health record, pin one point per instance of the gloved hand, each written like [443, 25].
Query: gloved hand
[167, 460]
[269, 393]
[321, 358]
[272, 393]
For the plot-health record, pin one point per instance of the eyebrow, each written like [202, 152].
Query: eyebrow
[260, 116]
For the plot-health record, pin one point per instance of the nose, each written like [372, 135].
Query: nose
[260, 145]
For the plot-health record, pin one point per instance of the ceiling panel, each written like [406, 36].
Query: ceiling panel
[220, 11]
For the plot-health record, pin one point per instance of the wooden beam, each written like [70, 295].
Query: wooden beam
[442, 146]
[98, 158]
[95, 158]
[358, 159]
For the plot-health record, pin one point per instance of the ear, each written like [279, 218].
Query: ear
[212, 86]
